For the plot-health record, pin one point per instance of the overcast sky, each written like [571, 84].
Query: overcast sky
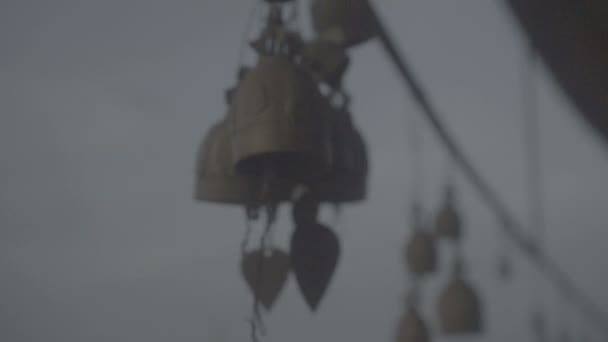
[103, 105]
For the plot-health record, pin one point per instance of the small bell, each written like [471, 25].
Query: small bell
[347, 22]
[326, 60]
[218, 181]
[538, 325]
[459, 307]
[347, 180]
[420, 252]
[448, 223]
[412, 328]
[278, 123]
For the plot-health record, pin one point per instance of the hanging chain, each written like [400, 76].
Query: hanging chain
[257, 321]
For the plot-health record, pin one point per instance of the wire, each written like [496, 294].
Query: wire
[512, 227]
[244, 36]
[533, 148]
[416, 145]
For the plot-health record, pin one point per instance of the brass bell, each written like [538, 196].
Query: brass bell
[278, 124]
[347, 180]
[460, 308]
[218, 181]
[326, 60]
[448, 222]
[412, 328]
[347, 22]
[421, 252]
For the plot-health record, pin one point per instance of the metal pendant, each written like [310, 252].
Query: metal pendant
[266, 274]
[315, 251]
[278, 125]
[218, 181]
[346, 22]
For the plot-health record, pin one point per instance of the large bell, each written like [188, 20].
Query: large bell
[347, 180]
[412, 328]
[448, 223]
[460, 308]
[348, 22]
[278, 124]
[326, 60]
[218, 181]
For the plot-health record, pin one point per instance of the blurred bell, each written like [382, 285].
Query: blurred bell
[347, 22]
[460, 308]
[412, 328]
[448, 223]
[278, 123]
[347, 180]
[420, 252]
[538, 324]
[327, 60]
[218, 181]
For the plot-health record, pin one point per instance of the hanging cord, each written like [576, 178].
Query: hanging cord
[533, 159]
[417, 169]
[257, 321]
[533, 149]
[245, 36]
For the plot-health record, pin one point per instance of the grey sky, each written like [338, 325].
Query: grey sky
[103, 104]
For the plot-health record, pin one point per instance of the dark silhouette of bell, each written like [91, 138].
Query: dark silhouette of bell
[421, 253]
[278, 124]
[266, 273]
[315, 250]
[347, 180]
[218, 181]
[412, 328]
[460, 308]
[326, 60]
[538, 324]
[448, 222]
[348, 22]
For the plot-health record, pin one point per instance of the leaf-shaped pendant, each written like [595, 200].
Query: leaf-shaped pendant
[266, 271]
[314, 256]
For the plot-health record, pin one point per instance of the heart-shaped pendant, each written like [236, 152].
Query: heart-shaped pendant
[267, 272]
[315, 250]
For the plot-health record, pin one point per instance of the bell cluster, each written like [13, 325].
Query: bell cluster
[459, 307]
[281, 132]
[288, 136]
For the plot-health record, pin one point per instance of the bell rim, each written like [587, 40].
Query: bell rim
[238, 191]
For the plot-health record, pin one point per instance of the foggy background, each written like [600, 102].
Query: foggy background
[103, 105]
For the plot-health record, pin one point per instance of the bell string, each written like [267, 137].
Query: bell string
[417, 152]
[247, 236]
[257, 320]
[245, 36]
